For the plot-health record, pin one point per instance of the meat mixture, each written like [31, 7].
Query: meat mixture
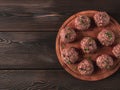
[68, 35]
[104, 61]
[88, 45]
[116, 51]
[82, 22]
[85, 67]
[70, 55]
[101, 19]
[106, 37]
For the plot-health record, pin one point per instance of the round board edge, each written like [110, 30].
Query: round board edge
[58, 49]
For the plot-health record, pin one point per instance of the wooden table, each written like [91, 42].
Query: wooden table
[27, 44]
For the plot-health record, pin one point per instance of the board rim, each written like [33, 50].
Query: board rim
[58, 49]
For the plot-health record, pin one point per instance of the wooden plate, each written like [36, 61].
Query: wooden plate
[93, 31]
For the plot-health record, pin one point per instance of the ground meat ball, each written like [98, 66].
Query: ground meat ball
[116, 51]
[82, 22]
[106, 37]
[101, 19]
[68, 35]
[85, 67]
[70, 55]
[104, 61]
[88, 45]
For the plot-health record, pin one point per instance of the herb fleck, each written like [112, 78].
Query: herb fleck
[86, 49]
[81, 21]
[68, 28]
[68, 62]
[107, 64]
[63, 46]
[109, 35]
[68, 35]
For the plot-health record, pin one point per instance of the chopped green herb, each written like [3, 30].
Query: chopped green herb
[63, 46]
[68, 28]
[109, 35]
[67, 36]
[107, 64]
[68, 62]
[81, 21]
[86, 49]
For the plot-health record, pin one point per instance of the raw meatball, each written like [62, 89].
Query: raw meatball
[82, 22]
[68, 35]
[70, 55]
[104, 61]
[116, 51]
[101, 19]
[106, 37]
[85, 67]
[88, 45]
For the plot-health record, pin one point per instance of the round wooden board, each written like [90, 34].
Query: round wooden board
[72, 69]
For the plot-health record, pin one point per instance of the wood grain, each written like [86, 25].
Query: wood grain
[51, 80]
[47, 15]
[28, 50]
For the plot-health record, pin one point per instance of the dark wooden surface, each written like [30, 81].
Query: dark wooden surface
[52, 80]
[28, 29]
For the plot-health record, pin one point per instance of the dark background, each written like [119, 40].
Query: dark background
[28, 30]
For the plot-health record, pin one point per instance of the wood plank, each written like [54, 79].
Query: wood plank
[28, 50]
[47, 15]
[52, 80]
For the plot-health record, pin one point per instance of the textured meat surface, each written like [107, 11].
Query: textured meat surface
[104, 61]
[85, 67]
[106, 37]
[70, 55]
[68, 35]
[116, 51]
[101, 19]
[82, 22]
[88, 45]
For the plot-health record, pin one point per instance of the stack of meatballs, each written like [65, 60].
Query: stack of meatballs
[88, 45]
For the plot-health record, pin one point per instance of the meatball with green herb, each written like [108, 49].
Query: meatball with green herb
[106, 37]
[88, 45]
[68, 35]
[104, 61]
[70, 55]
[85, 67]
[82, 22]
[101, 19]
